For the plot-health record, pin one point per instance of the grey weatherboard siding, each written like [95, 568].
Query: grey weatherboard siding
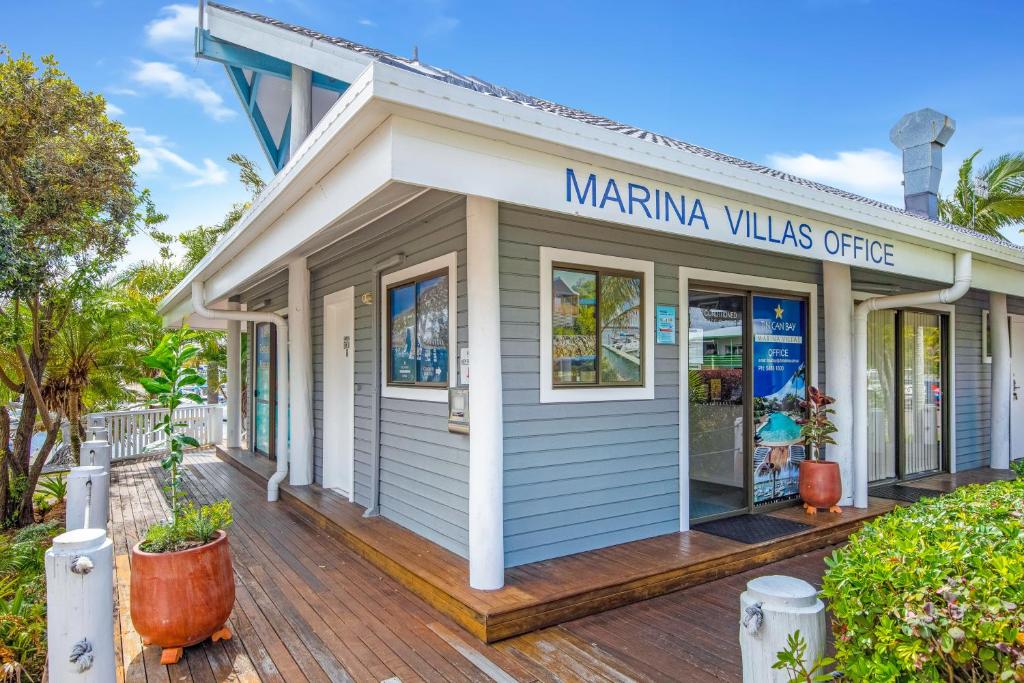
[580, 476]
[424, 468]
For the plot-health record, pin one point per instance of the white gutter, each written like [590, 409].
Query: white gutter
[961, 284]
[200, 309]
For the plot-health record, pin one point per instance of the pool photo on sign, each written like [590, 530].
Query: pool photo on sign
[780, 385]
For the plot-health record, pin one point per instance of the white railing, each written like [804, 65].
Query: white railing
[136, 432]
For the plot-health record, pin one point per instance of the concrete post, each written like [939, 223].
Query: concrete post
[299, 357]
[860, 408]
[999, 337]
[79, 605]
[95, 452]
[302, 107]
[772, 608]
[88, 498]
[486, 454]
[234, 352]
[838, 293]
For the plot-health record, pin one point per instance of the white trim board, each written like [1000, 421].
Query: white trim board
[548, 393]
[449, 261]
[950, 310]
[727, 279]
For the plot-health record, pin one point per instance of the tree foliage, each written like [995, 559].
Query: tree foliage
[999, 208]
[68, 206]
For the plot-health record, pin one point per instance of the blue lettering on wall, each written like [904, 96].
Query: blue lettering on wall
[663, 205]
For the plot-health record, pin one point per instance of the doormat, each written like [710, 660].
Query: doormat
[752, 528]
[902, 493]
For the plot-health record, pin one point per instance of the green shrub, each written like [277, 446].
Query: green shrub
[1018, 467]
[934, 591]
[193, 527]
[55, 487]
[23, 601]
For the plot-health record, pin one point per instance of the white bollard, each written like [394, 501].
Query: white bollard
[79, 605]
[88, 497]
[96, 427]
[215, 426]
[771, 609]
[99, 434]
[95, 452]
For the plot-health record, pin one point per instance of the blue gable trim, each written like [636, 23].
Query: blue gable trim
[235, 59]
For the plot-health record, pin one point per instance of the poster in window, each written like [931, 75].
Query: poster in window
[574, 327]
[432, 330]
[780, 384]
[402, 323]
[620, 329]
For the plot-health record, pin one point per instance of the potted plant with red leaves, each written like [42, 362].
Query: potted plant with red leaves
[182, 585]
[820, 483]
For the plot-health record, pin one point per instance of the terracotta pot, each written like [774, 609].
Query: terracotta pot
[182, 598]
[820, 485]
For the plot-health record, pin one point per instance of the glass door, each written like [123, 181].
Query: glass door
[882, 395]
[264, 389]
[717, 391]
[923, 388]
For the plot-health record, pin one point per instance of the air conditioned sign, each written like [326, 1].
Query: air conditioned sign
[724, 220]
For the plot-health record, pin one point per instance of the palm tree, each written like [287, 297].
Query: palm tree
[989, 211]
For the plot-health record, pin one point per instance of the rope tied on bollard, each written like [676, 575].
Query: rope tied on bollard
[81, 565]
[82, 655]
[753, 617]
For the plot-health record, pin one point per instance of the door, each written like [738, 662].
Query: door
[881, 382]
[339, 391]
[747, 376]
[264, 414]
[923, 391]
[1017, 387]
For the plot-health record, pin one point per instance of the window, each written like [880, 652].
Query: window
[418, 331]
[596, 330]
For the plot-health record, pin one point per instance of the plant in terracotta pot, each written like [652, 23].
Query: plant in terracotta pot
[182, 586]
[820, 483]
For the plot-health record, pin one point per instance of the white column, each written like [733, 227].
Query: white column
[860, 407]
[999, 337]
[299, 357]
[234, 352]
[302, 107]
[486, 510]
[838, 292]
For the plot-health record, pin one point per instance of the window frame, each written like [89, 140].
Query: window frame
[600, 272]
[436, 392]
[552, 258]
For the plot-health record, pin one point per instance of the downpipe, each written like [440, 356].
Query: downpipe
[961, 284]
[281, 325]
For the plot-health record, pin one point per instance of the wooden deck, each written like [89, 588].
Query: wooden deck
[554, 591]
[311, 608]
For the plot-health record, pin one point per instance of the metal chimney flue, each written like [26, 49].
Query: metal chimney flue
[922, 135]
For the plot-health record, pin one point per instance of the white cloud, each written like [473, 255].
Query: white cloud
[177, 24]
[169, 80]
[156, 158]
[440, 26]
[367, 22]
[874, 173]
[113, 110]
[125, 92]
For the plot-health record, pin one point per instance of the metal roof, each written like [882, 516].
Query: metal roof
[481, 86]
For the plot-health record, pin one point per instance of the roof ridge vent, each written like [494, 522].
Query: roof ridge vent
[921, 135]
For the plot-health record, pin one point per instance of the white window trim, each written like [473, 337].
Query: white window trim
[727, 279]
[447, 261]
[548, 392]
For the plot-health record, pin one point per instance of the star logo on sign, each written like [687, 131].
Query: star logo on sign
[778, 311]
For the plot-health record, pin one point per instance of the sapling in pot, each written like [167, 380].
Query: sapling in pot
[820, 482]
[182, 586]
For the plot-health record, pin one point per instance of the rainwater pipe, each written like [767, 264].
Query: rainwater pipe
[281, 325]
[961, 284]
[393, 261]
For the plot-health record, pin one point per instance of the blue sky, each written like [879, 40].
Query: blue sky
[810, 86]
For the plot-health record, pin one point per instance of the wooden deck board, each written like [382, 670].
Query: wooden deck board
[311, 606]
